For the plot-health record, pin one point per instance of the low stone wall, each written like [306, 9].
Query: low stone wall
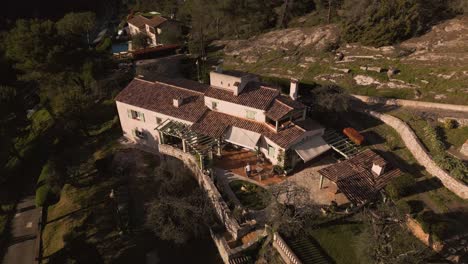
[418, 232]
[462, 122]
[222, 210]
[223, 247]
[419, 152]
[285, 252]
[410, 103]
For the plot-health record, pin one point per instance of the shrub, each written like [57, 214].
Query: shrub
[450, 123]
[104, 45]
[43, 194]
[433, 224]
[400, 186]
[103, 164]
[140, 41]
[47, 184]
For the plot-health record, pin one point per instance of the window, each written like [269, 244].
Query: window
[158, 120]
[271, 151]
[136, 115]
[139, 134]
[214, 105]
[229, 84]
[250, 114]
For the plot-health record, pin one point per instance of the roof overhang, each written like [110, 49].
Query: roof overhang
[311, 148]
[242, 137]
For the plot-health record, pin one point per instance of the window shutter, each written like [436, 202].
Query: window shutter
[134, 132]
[129, 112]
[142, 117]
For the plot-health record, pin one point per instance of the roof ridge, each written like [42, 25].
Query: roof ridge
[276, 99]
[262, 124]
[179, 87]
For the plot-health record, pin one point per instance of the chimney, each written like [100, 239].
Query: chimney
[177, 101]
[378, 167]
[294, 88]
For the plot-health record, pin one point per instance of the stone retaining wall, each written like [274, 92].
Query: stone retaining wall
[222, 210]
[421, 154]
[424, 237]
[410, 103]
[461, 122]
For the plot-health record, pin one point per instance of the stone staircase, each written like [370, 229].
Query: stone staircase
[241, 260]
[308, 251]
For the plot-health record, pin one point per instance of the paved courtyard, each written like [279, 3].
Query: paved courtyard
[309, 179]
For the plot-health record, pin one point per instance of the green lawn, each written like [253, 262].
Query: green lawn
[456, 136]
[250, 195]
[342, 242]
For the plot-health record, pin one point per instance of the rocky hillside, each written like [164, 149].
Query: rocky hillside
[431, 67]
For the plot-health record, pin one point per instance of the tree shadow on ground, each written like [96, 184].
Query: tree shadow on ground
[425, 185]
[77, 250]
[376, 138]
[414, 168]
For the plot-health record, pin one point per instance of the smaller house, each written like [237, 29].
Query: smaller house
[361, 177]
[153, 27]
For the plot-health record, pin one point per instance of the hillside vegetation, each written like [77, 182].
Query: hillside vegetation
[430, 67]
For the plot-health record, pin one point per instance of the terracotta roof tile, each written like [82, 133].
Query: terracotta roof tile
[277, 110]
[253, 95]
[354, 177]
[214, 124]
[158, 97]
[140, 21]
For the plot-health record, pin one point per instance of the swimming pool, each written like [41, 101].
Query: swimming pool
[119, 47]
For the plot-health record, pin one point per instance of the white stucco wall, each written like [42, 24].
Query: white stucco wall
[263, 146]
[234, 109]
[148, 125]
[133, 29]
[224, 81]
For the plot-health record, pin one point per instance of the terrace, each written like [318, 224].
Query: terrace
[234, 159]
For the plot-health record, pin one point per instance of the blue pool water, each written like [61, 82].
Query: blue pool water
[119, 47]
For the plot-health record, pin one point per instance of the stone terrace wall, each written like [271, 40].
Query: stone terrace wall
[421, 154]
[222, 210]
[410, 103]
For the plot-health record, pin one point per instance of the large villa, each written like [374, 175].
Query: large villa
[235, 110]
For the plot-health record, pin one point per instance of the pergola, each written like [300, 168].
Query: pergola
[192, 141]
[340, 143]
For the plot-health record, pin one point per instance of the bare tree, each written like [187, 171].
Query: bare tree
[179, 210]
[387, 238]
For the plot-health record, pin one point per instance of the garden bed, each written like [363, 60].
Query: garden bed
[250, 195]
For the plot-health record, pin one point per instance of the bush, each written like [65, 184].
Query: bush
[450, 123]
[140, 41]
[104, 45]
[103, 164]
[43, 194]
[400, 186]
[47, 184]
[433, 224]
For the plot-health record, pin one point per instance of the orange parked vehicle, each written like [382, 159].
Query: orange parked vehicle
[354, 135]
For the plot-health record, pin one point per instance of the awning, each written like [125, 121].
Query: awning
[311, 148]
[242, 137]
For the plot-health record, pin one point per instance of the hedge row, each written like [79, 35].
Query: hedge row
[44, 188]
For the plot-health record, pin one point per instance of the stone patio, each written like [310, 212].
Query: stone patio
[309, 178]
